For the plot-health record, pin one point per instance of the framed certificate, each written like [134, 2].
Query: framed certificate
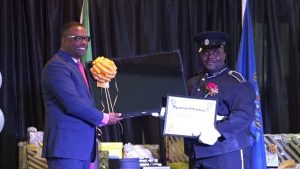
[188, 116]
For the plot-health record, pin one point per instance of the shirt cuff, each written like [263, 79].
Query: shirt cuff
[104, 120]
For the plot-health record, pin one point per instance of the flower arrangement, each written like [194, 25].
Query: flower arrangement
[211, 89]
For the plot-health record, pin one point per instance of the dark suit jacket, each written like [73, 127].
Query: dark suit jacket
[70, 113]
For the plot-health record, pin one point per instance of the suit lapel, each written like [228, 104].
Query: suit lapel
[68, 59]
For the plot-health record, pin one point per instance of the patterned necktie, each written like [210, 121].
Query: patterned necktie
[79, 65]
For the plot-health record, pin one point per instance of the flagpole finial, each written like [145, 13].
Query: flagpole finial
[244, 2]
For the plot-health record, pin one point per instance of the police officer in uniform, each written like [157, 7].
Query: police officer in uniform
[229, 145]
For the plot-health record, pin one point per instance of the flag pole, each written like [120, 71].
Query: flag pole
[243, 10]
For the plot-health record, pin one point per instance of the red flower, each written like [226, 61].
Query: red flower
[212, 89]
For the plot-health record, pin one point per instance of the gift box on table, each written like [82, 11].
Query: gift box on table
[115, 149]
[23, 163]
[175, 149]
[29, 157]
[35, 161]
[281, 147]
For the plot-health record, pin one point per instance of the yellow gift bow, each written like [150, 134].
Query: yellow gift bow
[103, 70]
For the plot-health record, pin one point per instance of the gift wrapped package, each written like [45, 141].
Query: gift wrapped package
[281, 147]
[115, 149]
[23, 163]
[29, 157]
[175, 149]
[35, 161]
[35, 137]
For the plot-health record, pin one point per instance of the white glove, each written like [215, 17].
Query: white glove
[161, 114]
[209, 137]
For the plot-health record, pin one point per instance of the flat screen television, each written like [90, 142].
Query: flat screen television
[143, 82]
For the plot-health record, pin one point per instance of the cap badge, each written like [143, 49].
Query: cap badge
[206, 42]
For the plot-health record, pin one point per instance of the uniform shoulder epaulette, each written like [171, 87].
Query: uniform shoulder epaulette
[236, 75]
[198, 73]
[196, 77]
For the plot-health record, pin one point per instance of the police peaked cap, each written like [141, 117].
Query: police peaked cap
[211, 39]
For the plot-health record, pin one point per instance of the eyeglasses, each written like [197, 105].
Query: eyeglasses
[80, 38]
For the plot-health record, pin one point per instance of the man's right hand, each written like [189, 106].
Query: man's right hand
[114, 118]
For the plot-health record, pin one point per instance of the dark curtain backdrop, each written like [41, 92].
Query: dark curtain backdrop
[30, 34]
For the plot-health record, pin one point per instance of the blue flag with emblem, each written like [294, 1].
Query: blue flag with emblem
[247, 67]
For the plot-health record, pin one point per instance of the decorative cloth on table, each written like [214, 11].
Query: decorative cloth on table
[81, 68]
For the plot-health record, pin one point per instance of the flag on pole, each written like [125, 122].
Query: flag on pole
[246, 65]
[84, 19]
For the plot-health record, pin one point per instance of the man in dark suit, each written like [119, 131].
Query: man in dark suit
[70, 113]
[228, 146]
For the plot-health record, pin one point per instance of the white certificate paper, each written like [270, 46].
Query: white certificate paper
[187, 116]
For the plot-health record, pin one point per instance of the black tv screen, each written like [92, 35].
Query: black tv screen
[143, 82]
